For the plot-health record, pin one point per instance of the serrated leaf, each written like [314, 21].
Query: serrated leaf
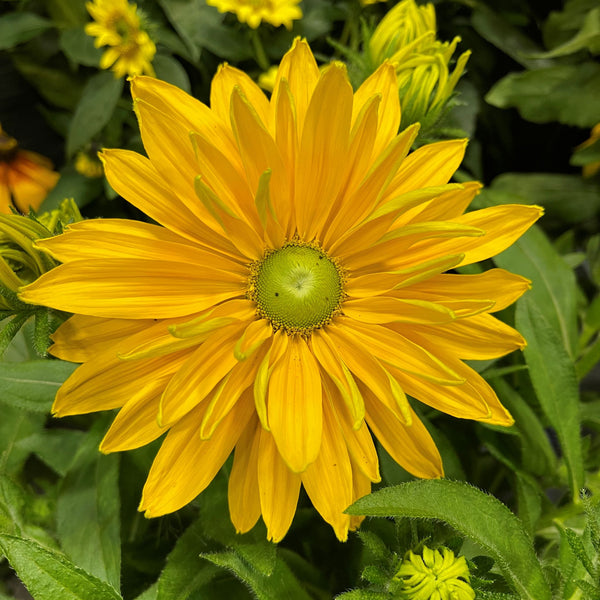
[576, 544]
[19, 27]
[553, 287]
[472, 513]
[32, 385]
[280, 584]
[185, 572]
[553, 377]
[87, 511]
[547, 95]
[49, 575]
[94, 110]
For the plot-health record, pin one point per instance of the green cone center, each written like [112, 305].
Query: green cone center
[298, 288]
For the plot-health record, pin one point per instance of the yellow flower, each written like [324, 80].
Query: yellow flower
[254, 12]
[368, 2]
[25, 177]
[407, 37]
[435, 576]
[267, 79]
[117, 25]
[88, 165]
[293, 297]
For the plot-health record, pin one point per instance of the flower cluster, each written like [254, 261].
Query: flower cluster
[407, 37]
[254, 12]
[117, 24]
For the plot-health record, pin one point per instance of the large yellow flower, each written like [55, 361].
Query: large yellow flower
[254, 12]
[117, 25]
[294, 295]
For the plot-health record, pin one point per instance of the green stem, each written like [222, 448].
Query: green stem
[259, 50]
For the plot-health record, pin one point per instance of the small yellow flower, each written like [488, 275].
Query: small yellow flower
[254, 12]
[267, 79]
[368, 2]
[25, 177]
[117, 25]
[435, 576]
[407, 37]
[88, 165]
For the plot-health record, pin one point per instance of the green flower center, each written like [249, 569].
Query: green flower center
[298, 288]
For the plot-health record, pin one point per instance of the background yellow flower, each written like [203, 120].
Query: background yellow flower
[254, 12]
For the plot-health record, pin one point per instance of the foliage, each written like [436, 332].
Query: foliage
[521, 504]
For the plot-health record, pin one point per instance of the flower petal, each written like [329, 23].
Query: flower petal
[295, 405]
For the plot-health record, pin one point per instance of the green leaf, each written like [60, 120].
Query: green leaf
[95, 108]
[587, 38]
[87, 512]
[248, 564]
[498, 31]
[60, 88]
[553, 287]
[49, 575]
[55, 447]
[72, 185]
[472, 513]
[67, 13]
[169, 69]
[19, 27]
[537, 454]
[185, 572]
[529, 500]
[578, 548]
[201, 26]
[566, 198]
[32, 385]
[553, 377]
[12, 502]
[564, 93]
[15, 425]
[79, 47]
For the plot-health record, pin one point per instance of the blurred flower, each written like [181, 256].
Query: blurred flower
[254, 12]
[25, 177]
[21, 263]
[267, 79]
[292, 297]
[593, 167]
[367, 2]
[407, 37]
[117, 25]
[88, 165]
[435, 576]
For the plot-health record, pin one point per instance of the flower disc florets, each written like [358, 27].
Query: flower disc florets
[298, 287]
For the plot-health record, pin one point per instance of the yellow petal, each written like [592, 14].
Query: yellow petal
[81, 338]
[126, 288]
[299, 68]
[382, 82]
[203, 370]
[358, 439]
[323, 148]
[384, 309]
[221, 88]
[328, 480]
[474, 338]
[279, 488]
[498, 285]
[294, 406]
[175, 479]
[411, 447]
[134, 426]
[341, 376]
[121, 238]
[503, 225]
[134, 177]
[393, 348]
[243, 493]
[361, 486]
